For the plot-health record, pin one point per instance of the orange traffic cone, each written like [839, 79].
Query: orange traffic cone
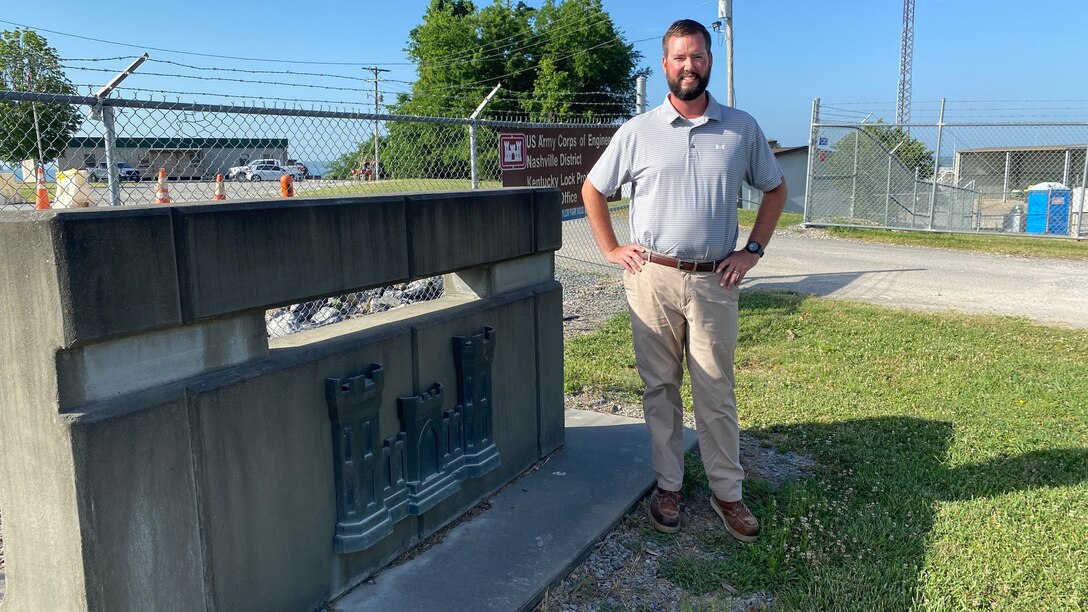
[220, 191]
[287, 186]
[162, 193]
[42, 196]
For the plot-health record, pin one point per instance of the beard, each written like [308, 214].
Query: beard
[693, 91]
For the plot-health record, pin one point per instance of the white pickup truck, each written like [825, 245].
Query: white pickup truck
[242, 173]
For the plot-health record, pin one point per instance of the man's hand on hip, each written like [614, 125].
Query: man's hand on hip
[734, 267]
[627, 255]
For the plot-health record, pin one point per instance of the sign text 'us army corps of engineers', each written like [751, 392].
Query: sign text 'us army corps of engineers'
[552, 157]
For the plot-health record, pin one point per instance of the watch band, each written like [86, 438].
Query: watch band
[758, 250]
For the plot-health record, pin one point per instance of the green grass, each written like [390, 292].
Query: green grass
[747, 218]
[951, 457]
[1005, 245]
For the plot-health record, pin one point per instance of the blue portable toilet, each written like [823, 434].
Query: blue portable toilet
[1048, 209]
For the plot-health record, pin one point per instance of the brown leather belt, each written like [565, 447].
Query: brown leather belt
[680, 264]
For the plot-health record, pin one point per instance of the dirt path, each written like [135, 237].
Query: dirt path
[1050, 291]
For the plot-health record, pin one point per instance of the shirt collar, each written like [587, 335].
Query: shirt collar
[713, 110]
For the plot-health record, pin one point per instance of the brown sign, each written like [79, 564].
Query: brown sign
[552, 157]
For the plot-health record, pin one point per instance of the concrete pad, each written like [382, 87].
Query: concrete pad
[536, 531]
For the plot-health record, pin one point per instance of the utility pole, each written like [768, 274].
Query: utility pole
[725, 15]
[377, 104]
[33, 105]
[640, 95]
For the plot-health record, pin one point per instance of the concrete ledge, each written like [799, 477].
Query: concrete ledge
[536, 531]
[101, 250]
[454, 231]
[235, 256]
[510, 275]
[102, 370]
[122, 271]
[87, 254]
[549, 350]
[548, 208]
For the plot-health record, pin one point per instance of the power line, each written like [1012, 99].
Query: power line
[195, 53]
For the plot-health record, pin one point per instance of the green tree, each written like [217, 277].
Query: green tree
[561, 62]
[875, 141]
[27, 62]
[586, 69]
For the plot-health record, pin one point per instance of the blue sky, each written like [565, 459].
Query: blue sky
[787, 52]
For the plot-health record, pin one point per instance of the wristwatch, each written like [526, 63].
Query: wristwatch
[754, 247]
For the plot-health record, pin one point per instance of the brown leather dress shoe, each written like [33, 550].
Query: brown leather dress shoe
[665, 510]
[738, 519]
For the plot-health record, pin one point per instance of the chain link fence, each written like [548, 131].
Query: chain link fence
[109, 151]
[955, 175]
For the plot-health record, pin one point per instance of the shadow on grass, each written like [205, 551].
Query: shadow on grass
[822, 284]
[854, 533]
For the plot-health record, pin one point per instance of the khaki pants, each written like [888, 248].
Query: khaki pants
[673, 314]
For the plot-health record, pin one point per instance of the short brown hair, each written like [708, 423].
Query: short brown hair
[684, 27]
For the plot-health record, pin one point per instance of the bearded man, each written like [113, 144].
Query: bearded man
[685, 161]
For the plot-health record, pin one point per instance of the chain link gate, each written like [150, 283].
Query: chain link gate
[948, 175]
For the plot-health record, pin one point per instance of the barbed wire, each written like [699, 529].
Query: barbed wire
[244, 97]
[98, 59]
[229, 80]
[253, 71]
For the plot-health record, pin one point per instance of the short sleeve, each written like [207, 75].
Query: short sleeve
[613, 168]
[764, 173]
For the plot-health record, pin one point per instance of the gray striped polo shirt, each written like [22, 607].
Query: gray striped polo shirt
[686, 176]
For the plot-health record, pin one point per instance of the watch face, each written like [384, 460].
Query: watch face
[753, 247]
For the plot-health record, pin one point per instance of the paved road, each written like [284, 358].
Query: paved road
[1051, 291]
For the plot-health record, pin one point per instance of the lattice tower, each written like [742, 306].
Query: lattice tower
[906, 56]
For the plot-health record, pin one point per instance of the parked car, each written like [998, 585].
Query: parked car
[241, 173]
[264, 172]
[125, 172]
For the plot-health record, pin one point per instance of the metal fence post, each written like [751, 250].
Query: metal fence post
[1005, 185]
[472, 153]
[812, 153]
[951, 208]
[888, 190]
[111, 167]
[1083, 193]
[854, 186]
[472, 134]
[936, 166]
[914, 199]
